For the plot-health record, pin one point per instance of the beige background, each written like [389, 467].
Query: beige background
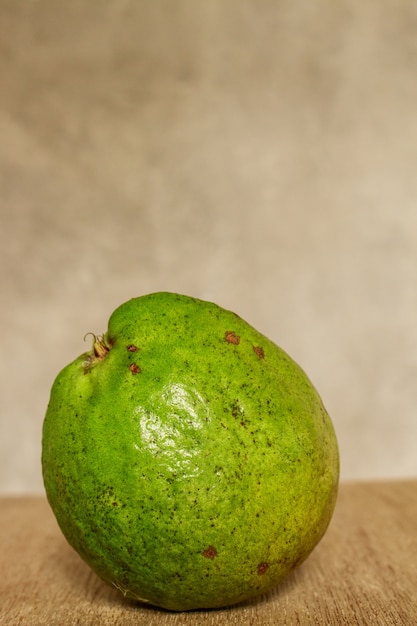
[259, 154]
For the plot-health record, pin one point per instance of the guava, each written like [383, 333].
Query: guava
[187, 458]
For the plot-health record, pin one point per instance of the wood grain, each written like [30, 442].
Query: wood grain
[364, 571]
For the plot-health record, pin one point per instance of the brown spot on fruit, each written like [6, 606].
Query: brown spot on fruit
[259, 352]
[210, 552]
[231, 337]
[132, 348]
[262, 568]
[135, 369]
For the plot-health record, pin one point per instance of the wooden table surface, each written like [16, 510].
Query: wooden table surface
[364, 571]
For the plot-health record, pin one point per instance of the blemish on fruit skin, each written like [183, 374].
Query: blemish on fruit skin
[262, 568]
[259, 352]
[132, 348]
[134, 368]
[210, 552]
[231, 337]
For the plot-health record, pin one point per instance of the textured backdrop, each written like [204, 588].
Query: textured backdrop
[259, 154]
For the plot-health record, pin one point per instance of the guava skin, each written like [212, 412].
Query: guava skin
[187, 458]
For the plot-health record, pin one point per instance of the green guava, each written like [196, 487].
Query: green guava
[187, 458]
